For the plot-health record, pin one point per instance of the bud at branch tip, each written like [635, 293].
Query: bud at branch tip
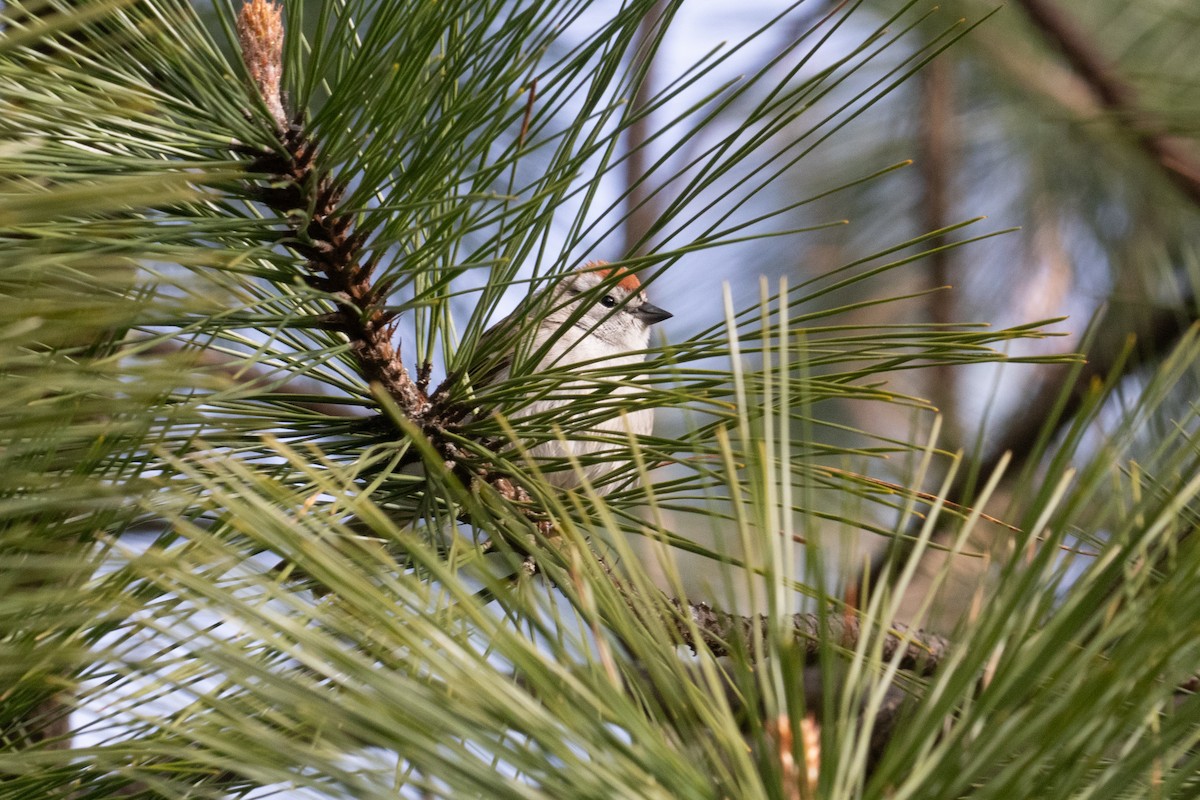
[260, 34]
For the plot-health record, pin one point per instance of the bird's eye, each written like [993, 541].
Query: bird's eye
[608, 301]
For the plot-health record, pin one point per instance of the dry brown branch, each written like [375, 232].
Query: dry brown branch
[528, 113]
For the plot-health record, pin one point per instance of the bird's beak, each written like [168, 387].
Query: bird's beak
[650, 313]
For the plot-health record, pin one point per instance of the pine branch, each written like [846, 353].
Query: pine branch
[333, 245]
[287, 706]
[922, 651]
[325, 235]
[1160, 331]
[1179, 163]
[329, 239]
[298, 188]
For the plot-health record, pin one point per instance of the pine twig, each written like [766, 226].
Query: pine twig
[724, 633]
[922, 652]
[299, 190]
[324, 234]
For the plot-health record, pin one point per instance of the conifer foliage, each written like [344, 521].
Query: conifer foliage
[260, 535]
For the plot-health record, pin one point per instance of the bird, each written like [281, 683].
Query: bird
[597, 317]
